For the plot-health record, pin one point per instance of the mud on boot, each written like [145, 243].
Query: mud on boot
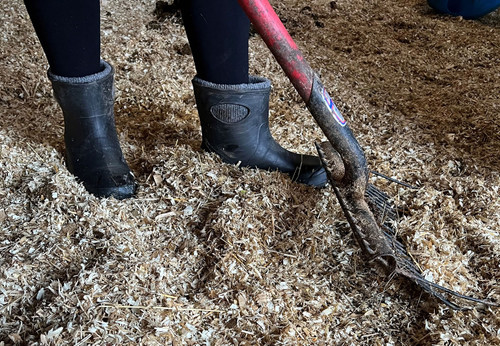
[93, 152]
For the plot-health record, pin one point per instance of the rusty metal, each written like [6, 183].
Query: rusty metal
[373, 227]
[367, 209]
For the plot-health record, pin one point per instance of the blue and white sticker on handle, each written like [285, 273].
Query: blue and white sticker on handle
[333, 109]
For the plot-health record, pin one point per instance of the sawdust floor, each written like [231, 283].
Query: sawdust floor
[209, 253]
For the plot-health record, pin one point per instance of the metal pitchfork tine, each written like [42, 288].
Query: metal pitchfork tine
[368, 210]
[382, 206]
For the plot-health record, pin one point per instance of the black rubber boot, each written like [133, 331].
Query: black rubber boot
[235, 125]
[93, 152]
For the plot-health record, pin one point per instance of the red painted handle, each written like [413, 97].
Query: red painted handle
[267, 23]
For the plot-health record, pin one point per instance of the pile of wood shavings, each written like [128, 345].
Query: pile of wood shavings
[210, 253]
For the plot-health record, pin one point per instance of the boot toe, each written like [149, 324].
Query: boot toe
[107, 184]
[313, 176]
[310, 171]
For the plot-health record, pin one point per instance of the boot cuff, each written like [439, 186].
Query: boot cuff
[255, 83]
[106, 70]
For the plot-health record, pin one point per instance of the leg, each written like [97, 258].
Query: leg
[232, 106]
[83, 87]
[69, 34]
[218, 35]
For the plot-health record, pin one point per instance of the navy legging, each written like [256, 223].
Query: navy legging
[218, 32]
[69, 32]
